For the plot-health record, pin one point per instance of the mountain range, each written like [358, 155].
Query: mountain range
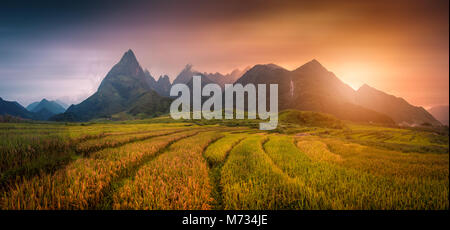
[128, 90]
[42, 110]
[185, 76]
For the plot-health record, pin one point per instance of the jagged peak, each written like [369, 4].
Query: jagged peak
[128, 57]
[188, 67]
[314, 61]
[163, 78]
[312, 65]
[235, 71]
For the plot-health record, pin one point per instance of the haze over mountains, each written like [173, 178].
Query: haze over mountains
[42, 110]
[52, 106]
[45, 109]
[440, 113]
[130, 91]
[397, 108]
[188, 72]
[311, 87]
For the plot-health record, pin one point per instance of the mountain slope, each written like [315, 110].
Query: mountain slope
[150, 104]
[440, 113]
[185, 76]
[236, 74]
[122, 87]
[14, 109]
[397, 108]
[43, 114]
[33, 105]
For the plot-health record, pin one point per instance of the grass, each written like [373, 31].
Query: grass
[311, 162]
[216, 154]
[403, 140]
[30, 149]
[251, 180]
[177, 179]
[115, 140]
[363, 186]
[80, 185]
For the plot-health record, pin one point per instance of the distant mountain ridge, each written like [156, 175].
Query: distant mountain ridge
[186, 75]
[31, 106]
[13, 108]
[52, 106]
[45, 109]
[397, 108]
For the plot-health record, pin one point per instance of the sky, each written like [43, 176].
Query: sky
[62, 50]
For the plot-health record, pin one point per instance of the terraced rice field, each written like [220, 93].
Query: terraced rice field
[183, 166]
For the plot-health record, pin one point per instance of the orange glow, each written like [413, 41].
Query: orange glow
[395, 52]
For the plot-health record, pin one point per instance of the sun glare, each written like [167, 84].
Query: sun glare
[355, 74]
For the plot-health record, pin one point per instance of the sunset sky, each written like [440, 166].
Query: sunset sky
[62, 51]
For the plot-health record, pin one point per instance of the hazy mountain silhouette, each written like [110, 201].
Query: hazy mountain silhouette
[236, 74]
[440, 113]
[14, 109]
[149, 79]
[121, 90]
[33, 105]
[221, 80]
[45, 109]
[397, 108]
[62, 104]
[185, 76]
[312, 88]
[51, 106]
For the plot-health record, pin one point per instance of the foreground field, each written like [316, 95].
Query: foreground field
[187, 166]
